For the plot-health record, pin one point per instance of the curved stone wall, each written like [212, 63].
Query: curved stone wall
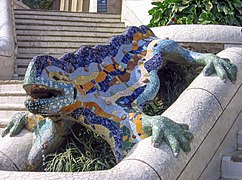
[202, 38]
[7, 40]
[208, 105]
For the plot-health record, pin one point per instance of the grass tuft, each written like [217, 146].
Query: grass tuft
[85, 151]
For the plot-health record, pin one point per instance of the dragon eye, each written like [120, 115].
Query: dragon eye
[56, 78]
[155, 44]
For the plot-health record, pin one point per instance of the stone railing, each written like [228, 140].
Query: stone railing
[202, 38]
[7, 40]
[210, 106]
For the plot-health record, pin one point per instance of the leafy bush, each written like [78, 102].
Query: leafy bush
[228, 12]
[39, 4]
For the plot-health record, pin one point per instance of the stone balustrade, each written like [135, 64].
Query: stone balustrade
[211, 107]
[7, 40]
[202, 38]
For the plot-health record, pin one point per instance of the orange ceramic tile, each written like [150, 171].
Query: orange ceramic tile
[101, 76]
[88, 86]
[99, 111]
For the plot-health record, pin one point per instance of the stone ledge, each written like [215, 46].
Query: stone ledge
[206, 112]
[201, 33]
[4, 82]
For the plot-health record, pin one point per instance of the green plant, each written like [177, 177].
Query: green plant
[174, 80]
[39, 4]
[85, 151]
[228, 12]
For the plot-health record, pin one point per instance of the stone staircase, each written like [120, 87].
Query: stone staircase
[55, 33]
[231, 165]
[12, 96]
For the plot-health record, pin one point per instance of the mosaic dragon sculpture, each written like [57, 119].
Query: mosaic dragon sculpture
[105, 88]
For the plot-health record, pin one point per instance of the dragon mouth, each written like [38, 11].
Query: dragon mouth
[42, 92]
[40, 98]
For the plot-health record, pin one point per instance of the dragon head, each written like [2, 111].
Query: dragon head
[47, 94]
[55, 84]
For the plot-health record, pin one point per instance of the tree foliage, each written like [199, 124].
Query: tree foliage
[227, 12]
[39, 4]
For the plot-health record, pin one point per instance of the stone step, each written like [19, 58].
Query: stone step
[12, 107]
[12, 98]
[77, 29]
[18, 77]
[46, 50]
[21, 71]
[25, 47]
[231, 166]
[59, 40]
[11, 87]
[24, 56]
[68, 18]
[57, 33]
[22, 62]
[7, 114]
[66, 23]
[64, 13]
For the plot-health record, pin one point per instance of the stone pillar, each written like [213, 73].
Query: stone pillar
[64, 5]
[79, 6]
[7, 40]
[73, 5]
[93, 6]
[85, 7]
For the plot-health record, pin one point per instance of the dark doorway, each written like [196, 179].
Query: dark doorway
[101, 5]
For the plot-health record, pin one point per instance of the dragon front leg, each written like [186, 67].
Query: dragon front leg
[164, 129]
[16, 124]
[48, 135]
[46, 139]
[171, 51]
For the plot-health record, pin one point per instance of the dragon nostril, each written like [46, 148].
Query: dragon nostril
[75, 93]
[155, 44]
